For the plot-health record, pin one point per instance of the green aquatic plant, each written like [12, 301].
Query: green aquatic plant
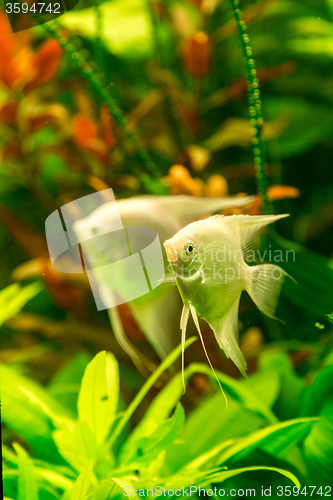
[93, 454]
[255, 107]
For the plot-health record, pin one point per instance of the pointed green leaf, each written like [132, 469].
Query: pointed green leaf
[147, 448]
[275, 438]
[82, 484]
[98, 396]
[76, 444]
[27, 484]
[14, 298]
[41, 412]
[318, 448]
[318, 393]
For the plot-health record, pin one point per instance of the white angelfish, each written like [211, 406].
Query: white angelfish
[158, 311]
[208, 258]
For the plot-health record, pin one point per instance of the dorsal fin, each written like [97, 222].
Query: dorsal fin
[186, 209]
[248, 228]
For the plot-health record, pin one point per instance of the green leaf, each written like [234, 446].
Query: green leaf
[82, 484]
[313, 274]
[223, 476]
[147, 448]
[318, 393]
[275, 438]
[208, 426]
[188, 478]
[108, 489]
[76, 444]
[14, 298]
[299, 134]
[40, 416]
[53, 478]
[65, 384]
[126, 28]
[168, 361]
[239, 390]
[98, 396]
[318, 448]
[27, 484]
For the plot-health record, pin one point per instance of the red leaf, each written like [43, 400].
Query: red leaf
[45, 63]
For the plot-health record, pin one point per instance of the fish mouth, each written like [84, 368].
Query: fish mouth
[170, 251]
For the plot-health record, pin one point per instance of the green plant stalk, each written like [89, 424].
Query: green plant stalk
[99, 33]
[145, 388]
[104, 95]
[259, 150]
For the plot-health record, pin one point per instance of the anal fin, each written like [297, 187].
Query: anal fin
[226, 334]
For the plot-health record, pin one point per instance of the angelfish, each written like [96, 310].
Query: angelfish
[208, 262]
[158, 311]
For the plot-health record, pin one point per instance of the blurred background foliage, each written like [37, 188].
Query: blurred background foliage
[175, 70]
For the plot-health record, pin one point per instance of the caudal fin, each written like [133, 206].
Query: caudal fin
[264, 286]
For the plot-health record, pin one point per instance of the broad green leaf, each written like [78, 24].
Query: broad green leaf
[223, 476]
[53, 478]
[167, 398]
[158, 410]
[114, 488]
[239, 390]
[318, 393]
[126, 26]
[275, 438]
[318, 448]
[31, 412]
[82, 484]
[203, 478]
[27, 484]
[14, 298]
[313, 274]
[76, 444]
[65, 385]
[98, 396]
[147, 448]
[209, 425]
[299, 136]
[168, 361]
[291, 386]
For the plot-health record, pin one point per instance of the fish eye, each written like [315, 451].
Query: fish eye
[189, 248]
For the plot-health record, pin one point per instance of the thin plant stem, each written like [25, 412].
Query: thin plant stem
[259, 150]
[99, 34]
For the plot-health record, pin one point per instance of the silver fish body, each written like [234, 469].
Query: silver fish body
[208, 259]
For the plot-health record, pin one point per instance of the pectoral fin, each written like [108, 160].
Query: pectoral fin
[226, 333]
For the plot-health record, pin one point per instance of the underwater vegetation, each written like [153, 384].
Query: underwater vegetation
[185, 109]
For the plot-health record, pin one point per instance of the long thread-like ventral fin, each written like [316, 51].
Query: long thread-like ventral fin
[183, 325]
[196, 322]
